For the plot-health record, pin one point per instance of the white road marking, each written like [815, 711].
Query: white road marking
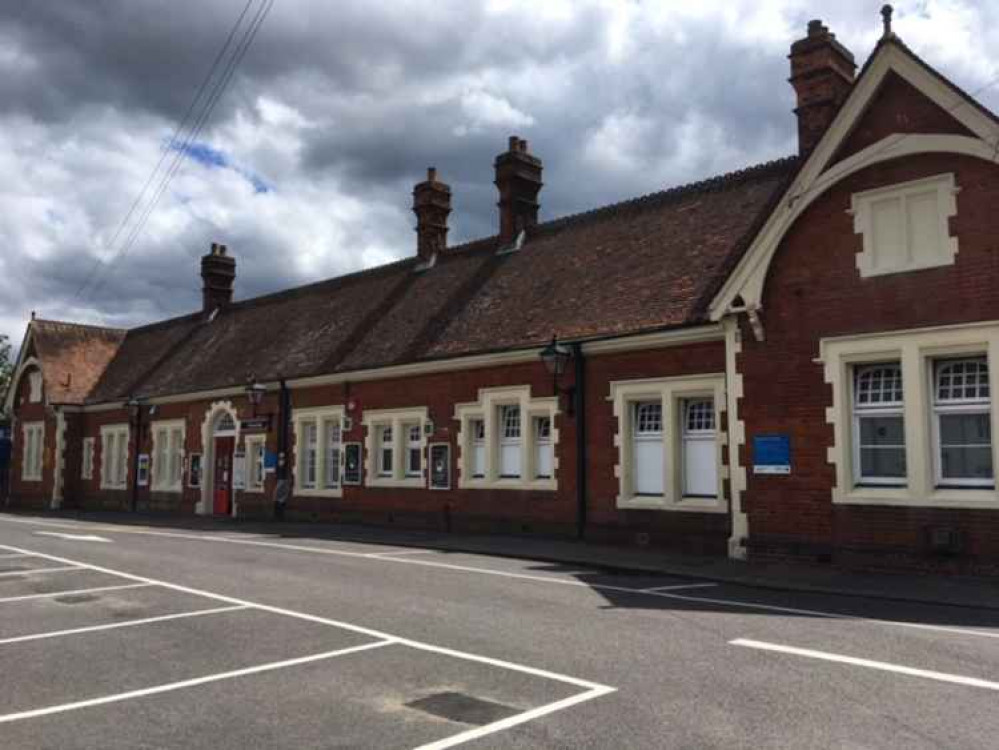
[12, 554]
[74, 592]
[734, 603]
[592, 689]
[122, 624]
[857, 662]
[512, 721]
[33, 571]
[401, 552]
[656, 589]
[74, 537]
[171, 686]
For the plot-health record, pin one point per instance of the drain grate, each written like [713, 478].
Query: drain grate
[76, 598]
[462, 708]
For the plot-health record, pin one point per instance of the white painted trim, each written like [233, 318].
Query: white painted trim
[739, 534]
[15, 381]
[206, 505]
[59, 461]
[25, 427]
[659, 340]
[394, 418]
[121, 430]
[156, 483]
[747, 280]
[318, 414]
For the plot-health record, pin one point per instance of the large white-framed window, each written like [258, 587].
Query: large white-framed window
[114, 456]
[947, 376]
[962, 423]
[35, 386]
[33, 434]
[507, 440]
[878, 425]
[669, 445]
[318, 457]
[905, 226]
[87, 458]
[396, 447]
[255, 470]
[168, 455]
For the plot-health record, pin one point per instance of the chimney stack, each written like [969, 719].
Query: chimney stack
[431, 204]
[518, 177]
[822, 72]
[218, 270]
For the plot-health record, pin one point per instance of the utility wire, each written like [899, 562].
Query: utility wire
[181, 149]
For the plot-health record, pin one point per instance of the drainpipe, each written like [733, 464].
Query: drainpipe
[579, 407]
[135, 459]
[283, 488]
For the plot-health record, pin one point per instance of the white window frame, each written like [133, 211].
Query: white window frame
[255, 447]
[672, 392]
[917, 350]
[956, 406]
[477, 448]
[487, 409]
[318, 416]
[33, 454]
[874, 261]
[88, 446]
[398, 420]
[543, 444]
[414, 447]
[860, 412]
[325, 423]
[35, 386]
[511, 443]
[114, 465]
[699, 435]
[169, 437]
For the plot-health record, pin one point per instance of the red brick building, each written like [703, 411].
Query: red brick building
[793, 359]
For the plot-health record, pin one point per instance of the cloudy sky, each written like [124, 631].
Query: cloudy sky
[305, 166]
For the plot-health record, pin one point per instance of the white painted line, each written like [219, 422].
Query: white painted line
[171, 686]
[400, 552]
[678, 587]
[880, 665]
[122, 624]
[33, 571]
[74, 537]
[8, 556]
[734, 603]
[74, 592]
[512, 721]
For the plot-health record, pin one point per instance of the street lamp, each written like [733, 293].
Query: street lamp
[255, 393]
[556, 358]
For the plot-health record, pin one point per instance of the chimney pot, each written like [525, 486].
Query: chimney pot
[432, 205]
[822, 74]
[218, 271]
[518, 178]
[514, 143]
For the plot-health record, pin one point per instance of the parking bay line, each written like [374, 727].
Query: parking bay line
[60, 569]
[194, 682]
[75, 592]
[123, 624]
[592, 690]
[734, 603]
[869, 663]
[656, 589]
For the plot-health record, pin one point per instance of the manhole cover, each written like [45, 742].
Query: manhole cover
[462, 708]
[77, 598]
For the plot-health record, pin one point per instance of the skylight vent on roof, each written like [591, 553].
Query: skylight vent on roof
[514, 246]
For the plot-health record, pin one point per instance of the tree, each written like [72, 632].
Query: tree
[6, 367]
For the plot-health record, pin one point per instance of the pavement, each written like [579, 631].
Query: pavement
[149, 633]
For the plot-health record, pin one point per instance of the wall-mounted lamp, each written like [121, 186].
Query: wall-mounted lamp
[556, 358]
[255, 394]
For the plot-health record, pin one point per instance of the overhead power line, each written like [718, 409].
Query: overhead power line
[201, 110]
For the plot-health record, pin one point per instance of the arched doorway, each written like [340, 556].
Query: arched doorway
[220, 447]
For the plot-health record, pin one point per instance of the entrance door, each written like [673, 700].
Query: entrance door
[222, 485]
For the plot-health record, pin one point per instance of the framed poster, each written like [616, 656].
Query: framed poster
[239, 470]
[143, 473]
[440, 466]
[194, 471]
[351, 463]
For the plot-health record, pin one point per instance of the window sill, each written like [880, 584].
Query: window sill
[411, 482]
[543, 485]
[307, 492]
[684, 505]
[31, 479]
[114, 486]
[937, 498]
[166, 490]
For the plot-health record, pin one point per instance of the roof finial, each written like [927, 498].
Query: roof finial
[886, 11]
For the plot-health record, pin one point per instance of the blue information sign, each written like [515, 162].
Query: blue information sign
[772, 454]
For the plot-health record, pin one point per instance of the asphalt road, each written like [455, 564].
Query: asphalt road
[115, 636]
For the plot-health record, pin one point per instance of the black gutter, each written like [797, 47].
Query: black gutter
[579, 407]
[283, 489]
[135, 459]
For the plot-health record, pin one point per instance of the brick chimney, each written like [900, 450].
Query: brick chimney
[218, 270]
[822, 72]
[431, 204]
[518, 177]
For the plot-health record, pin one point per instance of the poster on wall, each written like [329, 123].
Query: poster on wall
[239, 471]
[772, 454]
[143, 473]
[352, 463]
[440, 466]
[194, 471]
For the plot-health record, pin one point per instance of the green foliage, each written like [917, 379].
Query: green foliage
[6, 367]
